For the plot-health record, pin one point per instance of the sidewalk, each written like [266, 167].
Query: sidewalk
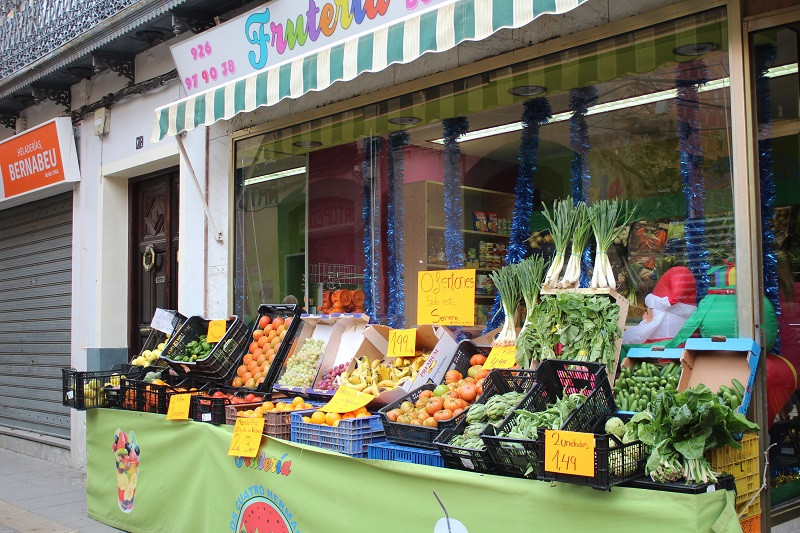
[37, 495]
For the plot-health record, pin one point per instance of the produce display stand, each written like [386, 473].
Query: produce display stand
[296, 483]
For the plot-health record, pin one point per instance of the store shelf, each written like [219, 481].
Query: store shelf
[474, 232]
[424, 231]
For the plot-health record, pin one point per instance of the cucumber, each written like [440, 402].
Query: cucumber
[739, 386]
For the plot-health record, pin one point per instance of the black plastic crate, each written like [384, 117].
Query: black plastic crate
[407, 434]
[146, 397]
[554, 378]
[206, 408]
[89, 389]
[223, 356]
[156, 337]
[499, 381]
[615, 463]
[724, 482]
[285, 311]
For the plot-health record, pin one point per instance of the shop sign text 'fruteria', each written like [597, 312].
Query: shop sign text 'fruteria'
[280, 31]
[38, 158]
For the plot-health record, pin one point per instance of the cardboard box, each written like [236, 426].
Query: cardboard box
[718, 360]
[657, 355]
[345, 339]
[437, 340]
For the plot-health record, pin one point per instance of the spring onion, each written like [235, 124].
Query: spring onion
[608, 218]
[529, 274]
[580, 237]
[508, 285]
[561, 223]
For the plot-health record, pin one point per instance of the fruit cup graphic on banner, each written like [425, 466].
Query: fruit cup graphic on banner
[126, 454]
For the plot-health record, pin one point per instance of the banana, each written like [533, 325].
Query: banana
[344, 376]
[372, 389]
[354, 380]
[386, 383]
[384, 373]
[360, 387]
[375, 363]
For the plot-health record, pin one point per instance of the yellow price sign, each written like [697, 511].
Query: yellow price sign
[402, 342]
[569, 452]
[346, 399]
[179, 407]
[501, 357]
[446, 297]
[247, 434]
[216, 330]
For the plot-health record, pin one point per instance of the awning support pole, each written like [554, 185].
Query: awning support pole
[182, 148]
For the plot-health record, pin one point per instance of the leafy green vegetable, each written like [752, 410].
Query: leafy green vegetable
[529, 273]
[681, 427]
[508, 285]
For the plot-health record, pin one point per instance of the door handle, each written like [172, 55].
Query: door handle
[149, 258]
[145, 330]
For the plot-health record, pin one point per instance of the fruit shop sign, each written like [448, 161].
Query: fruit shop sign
[283, 30]
[38, 158]
[259, 509]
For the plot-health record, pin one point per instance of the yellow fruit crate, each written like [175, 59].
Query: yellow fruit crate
[742, 464]
[751, 524]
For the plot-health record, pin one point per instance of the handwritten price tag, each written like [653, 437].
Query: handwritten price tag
[345, 400]
[446, 297]
[402, 342]
[163, 321]
[216, 330]
[246, 437]
[179, 407]
[501, 357]
[569, 452]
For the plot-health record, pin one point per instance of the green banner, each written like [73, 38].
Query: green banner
[181, 479]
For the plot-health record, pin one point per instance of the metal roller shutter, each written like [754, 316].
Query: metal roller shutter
[35, 303]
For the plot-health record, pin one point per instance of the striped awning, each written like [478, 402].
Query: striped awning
[437, 30]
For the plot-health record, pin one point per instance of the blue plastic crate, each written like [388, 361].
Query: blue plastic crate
[388, 451]
[351, 437]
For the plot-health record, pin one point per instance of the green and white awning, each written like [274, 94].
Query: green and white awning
[437, 30]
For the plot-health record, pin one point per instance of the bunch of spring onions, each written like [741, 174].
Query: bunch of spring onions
[508, 285]
[562, 221]
[529, 274]
[608, 219]
[580, 237]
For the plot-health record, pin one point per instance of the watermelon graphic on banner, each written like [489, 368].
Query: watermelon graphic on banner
[260, 514]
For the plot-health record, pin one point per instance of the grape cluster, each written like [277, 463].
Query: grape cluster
[301, 368]
[329, 381]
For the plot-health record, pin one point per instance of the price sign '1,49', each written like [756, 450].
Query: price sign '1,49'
[569, 452]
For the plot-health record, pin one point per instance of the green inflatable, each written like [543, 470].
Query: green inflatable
[716, 315]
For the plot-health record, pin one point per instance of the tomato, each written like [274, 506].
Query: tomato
[250, 398]
[426, 394]
[407, 407]
[452, 376]
[440, 390]
[482, 373]
[393, 414]
[420, 403]
[422, 415]
[278, 321]
[451, 403]
[257, 334]
[468, 392]
[477, 359]
[430, 422]
[434, 404]
[263, 321]
[444, 414]
[457, 412]
[416, 422]
[473, 371]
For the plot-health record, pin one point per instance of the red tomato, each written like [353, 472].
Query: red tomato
[477, 359]
[444, 414]
[263, 321]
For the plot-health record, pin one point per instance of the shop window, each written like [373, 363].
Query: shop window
[642, 117]
[775, 56]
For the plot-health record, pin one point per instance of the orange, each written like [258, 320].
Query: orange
[262, 341]
[318, 417]
[362, 415]
[268, 406]
[348, 415]
[282, 334]
[247, 359]
[361, 410]
[241, 370]
[261, 359]
[257, 334]
[275, 341]
[332, 419]
[247, 375]
[307, 420]
[297, 400]
[237, 382]
[253, 346]
[250, 383]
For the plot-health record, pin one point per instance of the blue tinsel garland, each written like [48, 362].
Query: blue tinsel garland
[453, 204]
[396, 305]
[580, 99]
[372, 238]
[689, 77]
[536, 113]
[765, 57]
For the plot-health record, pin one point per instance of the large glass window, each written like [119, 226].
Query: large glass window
[775, 55]
[647, 111]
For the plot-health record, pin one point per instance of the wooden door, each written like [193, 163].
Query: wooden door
[154, 251]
